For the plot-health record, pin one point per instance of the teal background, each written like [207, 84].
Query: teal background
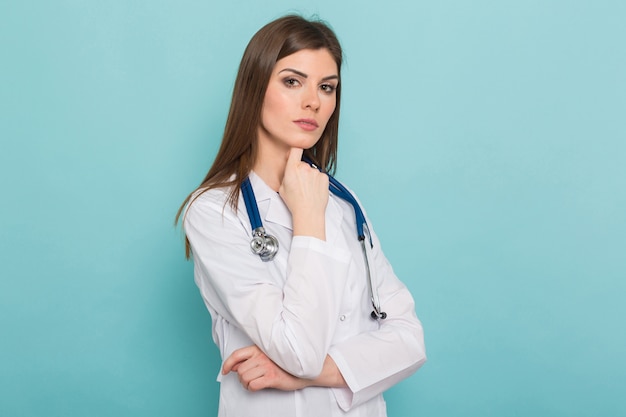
[486, 140]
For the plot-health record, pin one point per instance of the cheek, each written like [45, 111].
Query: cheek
[330, 109]
[273, 107]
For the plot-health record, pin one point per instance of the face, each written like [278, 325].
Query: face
[300, 98]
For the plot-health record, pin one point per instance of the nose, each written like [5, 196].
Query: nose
[311, 98]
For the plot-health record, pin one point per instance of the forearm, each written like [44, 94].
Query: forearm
[278, 319]
[256, 372]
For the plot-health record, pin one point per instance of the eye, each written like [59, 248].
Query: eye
[291, 82]
[328, 88]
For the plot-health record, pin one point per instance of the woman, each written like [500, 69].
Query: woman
[294, 331]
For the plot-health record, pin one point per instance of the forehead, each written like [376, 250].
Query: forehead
[310, 61]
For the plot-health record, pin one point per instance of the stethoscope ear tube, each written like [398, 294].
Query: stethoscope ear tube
[362, 230]
[262, 244]
[376, 314]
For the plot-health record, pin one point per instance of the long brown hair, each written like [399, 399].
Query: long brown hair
[238, 151]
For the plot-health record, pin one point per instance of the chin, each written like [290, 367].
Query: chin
[306, 143]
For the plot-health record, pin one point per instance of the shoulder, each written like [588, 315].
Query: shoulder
[204, 196]
[208, 203]
[345, 202]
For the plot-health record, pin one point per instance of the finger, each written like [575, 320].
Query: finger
[238, 356]
[251, 375]
[245, 365]
[295, 156]
[259, 384]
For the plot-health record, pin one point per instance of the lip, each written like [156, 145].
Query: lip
[307, 124]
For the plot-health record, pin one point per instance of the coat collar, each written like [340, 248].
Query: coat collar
[272, 208]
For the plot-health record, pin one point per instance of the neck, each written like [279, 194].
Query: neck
[270, 164]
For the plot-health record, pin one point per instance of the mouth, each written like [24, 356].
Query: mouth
[307, 124]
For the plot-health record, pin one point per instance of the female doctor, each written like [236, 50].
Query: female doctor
[295, 331]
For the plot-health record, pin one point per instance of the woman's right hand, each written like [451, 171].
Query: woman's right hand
[305, 192]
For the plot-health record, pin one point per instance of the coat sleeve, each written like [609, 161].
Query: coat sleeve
[292, 320]
[372, 362]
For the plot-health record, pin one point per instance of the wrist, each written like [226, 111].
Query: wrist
[314, 226]
[330, 377]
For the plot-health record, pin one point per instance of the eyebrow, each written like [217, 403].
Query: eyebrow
[303, 75]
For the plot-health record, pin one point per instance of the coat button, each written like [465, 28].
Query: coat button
[342, 317]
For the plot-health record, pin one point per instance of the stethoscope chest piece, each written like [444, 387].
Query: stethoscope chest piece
[264, 245]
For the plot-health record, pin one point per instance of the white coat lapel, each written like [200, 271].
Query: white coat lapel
[271, 207]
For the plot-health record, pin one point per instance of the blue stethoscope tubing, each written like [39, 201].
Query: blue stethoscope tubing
[266, 245]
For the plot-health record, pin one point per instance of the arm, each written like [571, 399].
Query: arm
[372, 362]
[256, 372]
[291, 318]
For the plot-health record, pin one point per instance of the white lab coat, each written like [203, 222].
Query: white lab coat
[309, 301]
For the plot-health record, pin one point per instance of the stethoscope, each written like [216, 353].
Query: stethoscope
[266, 245]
